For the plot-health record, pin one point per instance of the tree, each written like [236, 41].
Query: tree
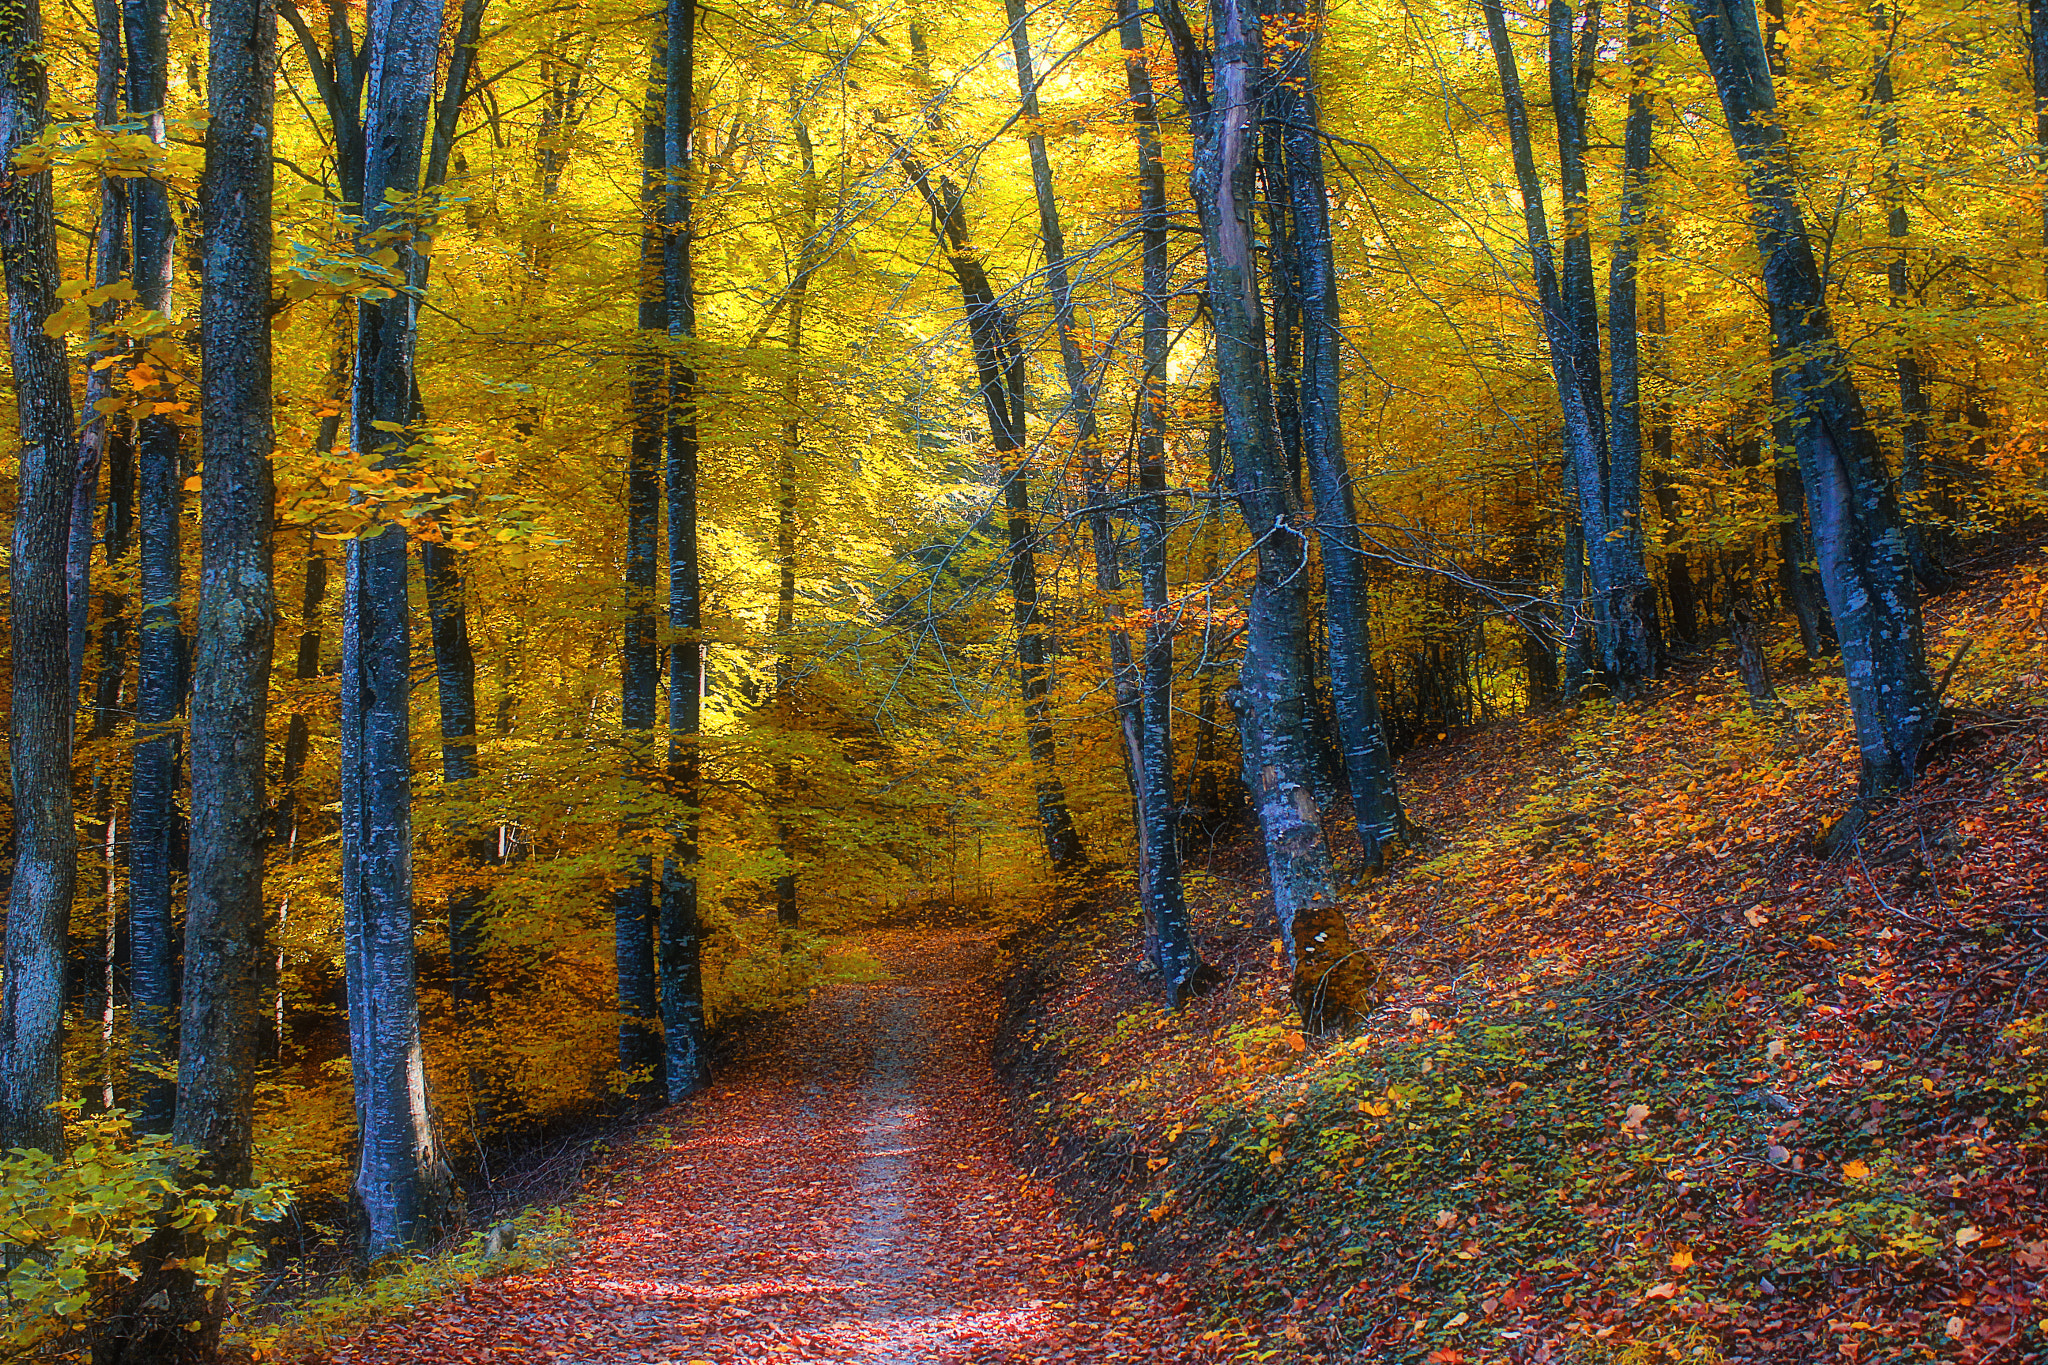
[1858, 533]
[1271, 697]
[153, 956]
[1080, 410]
[404, 1191]
[171, 1314]
[39, 717]
[633, 918]
[999, 375]
[1368, 764]
[1181, 969]
[688, 1062]
[1608, 499]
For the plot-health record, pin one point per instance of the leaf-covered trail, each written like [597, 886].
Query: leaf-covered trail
[847, 1195]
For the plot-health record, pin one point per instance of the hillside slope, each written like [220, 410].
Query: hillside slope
[1651, 1080]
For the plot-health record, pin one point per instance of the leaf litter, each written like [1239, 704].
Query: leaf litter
[848, 1194]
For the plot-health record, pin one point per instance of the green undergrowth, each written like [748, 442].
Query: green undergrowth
[534, 1239]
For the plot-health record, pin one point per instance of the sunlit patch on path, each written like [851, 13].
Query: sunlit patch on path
[848, 1196]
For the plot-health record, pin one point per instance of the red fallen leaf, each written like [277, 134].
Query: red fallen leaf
[1445, 1357]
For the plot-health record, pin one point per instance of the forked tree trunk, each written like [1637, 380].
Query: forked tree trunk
[1368, 764]
[1271, 699]
[1858, 533]
[39, 717]
[1634, 596]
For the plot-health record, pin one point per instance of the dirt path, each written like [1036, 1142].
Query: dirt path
[849, 1197]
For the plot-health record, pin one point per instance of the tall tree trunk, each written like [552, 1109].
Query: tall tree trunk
[1208, 795]
[1271, 698]
[1368, 765]
[404, 1191]
[39, 716]
[640, 1053]
[1080, 409]
[171, 1316]
[786, 910]
[999, 373]
[688, 1063]
[2037, 63]
[1634, 596]
[153, 985]
[110, 264]
[103, 441]
[1179, 962]
[1913, 406]
[1859, 535]
[1625, 641]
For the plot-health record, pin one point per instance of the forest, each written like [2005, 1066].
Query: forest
[854, 680]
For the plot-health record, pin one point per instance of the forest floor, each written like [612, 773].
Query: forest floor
[1651, 1077]
[846, 1193]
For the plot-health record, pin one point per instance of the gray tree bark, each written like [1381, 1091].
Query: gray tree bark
[169, 1315]
[1368, 763]
[153, 982]
[1858, 533]
[39, 716]
[1271, 698]
[1181, 969]
[404, 1192]
[685, 1048]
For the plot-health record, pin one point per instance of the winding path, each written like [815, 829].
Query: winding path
[848, 1196]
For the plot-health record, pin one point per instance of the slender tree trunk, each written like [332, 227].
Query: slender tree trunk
[1080, 409]
[1625, 641]
[688, 1063]
[1634, 596]
[786, 910]
[2037, 63]
[455, 688]
[110, 264]
[1797, 587]
[1859, 535]
[404, 1191]
[1678, 584]
[1180, 965]
[999, 373]
[1271, 698]
[39, 715]
[1368, 765]
[1913, 406]
[633, 918]
[1208, 802]
[153, 985]
[170, 1315]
